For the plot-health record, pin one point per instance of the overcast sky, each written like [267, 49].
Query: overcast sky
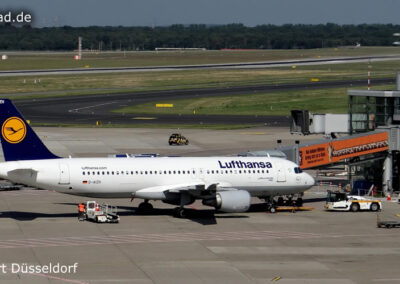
[168, 12]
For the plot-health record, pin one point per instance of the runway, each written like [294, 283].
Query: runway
[91, 108]
[249, 65]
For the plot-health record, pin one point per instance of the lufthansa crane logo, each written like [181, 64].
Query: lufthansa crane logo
[13, 130]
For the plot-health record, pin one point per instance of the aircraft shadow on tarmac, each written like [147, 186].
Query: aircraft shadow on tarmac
[30, 216]
[201, 216]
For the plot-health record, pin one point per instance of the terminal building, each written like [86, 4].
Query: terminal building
[369, 145]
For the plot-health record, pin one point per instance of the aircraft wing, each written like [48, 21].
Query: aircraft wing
[161, 192]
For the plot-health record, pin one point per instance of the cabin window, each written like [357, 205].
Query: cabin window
[102, 173]
[240, 171]
[108, 173]
[179, 172]
[122, 172]
[112, 172]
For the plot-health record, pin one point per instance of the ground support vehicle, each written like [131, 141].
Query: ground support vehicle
[340, 201]
[103, 213]
[178, 139]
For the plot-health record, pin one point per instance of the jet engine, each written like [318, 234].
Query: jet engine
[230, 201]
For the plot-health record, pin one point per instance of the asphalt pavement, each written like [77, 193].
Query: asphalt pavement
[91, 108]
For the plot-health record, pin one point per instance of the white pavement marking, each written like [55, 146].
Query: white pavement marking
[92, 106]
[188, 237]
[173, 237]
[365, 251]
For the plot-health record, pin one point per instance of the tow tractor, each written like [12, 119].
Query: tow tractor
[340, 201]
[103, 213]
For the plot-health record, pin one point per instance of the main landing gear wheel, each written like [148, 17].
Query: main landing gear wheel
[145, 207]
[272, 209]
[179, 212]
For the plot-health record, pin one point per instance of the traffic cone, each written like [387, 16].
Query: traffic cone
[389, 198]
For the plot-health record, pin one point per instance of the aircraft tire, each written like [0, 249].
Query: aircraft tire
[179, 212]
[145, 208]
[299, 202]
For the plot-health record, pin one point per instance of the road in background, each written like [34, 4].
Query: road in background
[247, 65]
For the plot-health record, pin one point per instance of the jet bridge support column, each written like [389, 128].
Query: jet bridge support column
[387, 175]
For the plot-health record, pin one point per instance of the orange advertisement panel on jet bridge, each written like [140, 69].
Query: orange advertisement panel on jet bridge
[335, 151]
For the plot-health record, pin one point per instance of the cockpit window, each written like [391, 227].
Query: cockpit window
[297, 170]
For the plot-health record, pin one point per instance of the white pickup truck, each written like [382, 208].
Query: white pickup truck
[340, 201]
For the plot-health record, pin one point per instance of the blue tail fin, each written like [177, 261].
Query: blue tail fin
[18, 140]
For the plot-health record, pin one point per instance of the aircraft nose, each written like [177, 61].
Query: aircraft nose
[309, 180]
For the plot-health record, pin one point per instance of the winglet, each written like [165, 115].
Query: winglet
[18, 140]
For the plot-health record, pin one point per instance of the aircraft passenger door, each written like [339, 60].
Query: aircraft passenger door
[64, 174]
[281, 176]
[200, 173]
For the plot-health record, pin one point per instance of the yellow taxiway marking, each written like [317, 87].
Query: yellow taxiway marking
[144, 118]
[164, 105]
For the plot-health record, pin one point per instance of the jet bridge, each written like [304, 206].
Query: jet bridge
[325, 152]
[369, 153]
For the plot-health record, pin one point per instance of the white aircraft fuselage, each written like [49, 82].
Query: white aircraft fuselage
[122, 177]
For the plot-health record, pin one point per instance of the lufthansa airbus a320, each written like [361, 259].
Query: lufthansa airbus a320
[226, 183]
